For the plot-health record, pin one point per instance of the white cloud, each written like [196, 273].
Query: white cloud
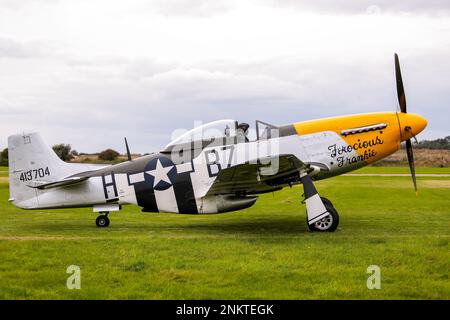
[10, 48]
[195, 8]
[91, 72]
[365, 6]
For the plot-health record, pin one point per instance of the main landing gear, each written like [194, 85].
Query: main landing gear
[321, 214]
[328, 223]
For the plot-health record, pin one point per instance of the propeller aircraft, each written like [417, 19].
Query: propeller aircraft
[215, 168]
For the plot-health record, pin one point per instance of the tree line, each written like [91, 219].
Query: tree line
[65, 153]
[437, 144]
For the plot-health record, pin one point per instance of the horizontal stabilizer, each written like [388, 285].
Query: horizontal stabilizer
[54, 184]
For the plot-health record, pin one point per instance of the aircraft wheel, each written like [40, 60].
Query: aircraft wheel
[102, 221]
[326, 201]
[329, 223]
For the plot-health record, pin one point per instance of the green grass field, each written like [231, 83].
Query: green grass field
[402, 170]
[3, 171]
[264, 252]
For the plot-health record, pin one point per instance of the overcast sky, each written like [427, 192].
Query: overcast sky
[89, 72]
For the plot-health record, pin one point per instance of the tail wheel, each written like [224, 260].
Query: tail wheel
[102, 221]
[328, 223]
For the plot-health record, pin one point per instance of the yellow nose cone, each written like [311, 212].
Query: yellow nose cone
[411, 124]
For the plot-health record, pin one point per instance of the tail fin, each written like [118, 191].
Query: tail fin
[30, 160]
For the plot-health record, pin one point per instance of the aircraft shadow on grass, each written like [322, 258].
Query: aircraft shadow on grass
[273, 227]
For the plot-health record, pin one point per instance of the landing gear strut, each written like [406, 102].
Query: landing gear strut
[102, 220]
[321, 214]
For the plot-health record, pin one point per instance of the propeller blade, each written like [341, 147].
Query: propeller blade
[400, 89]
[409, 152]
[128, 150]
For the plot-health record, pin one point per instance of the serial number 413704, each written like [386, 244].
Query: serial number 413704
[34, 174]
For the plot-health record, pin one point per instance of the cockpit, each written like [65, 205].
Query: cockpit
[220, 129]
[223, 132]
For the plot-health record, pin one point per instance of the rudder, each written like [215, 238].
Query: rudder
[31, 159]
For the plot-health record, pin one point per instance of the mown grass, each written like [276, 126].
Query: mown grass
[419, 170]
[264, 252]
[3, 171]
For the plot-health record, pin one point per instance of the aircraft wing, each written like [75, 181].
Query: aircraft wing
[259, 177]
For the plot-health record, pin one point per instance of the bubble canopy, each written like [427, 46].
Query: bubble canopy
[208, 131]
